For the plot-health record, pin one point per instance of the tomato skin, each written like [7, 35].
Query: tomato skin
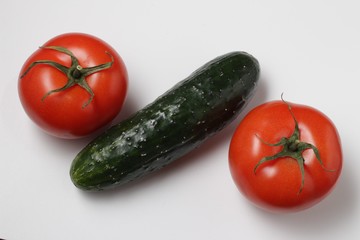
[275, 184]
[63, 114]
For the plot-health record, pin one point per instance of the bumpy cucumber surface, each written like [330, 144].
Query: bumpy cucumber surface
[174, 124]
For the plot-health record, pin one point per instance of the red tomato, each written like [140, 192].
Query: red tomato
[76, 85]
[285, 157]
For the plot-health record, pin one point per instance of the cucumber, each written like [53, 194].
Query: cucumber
[173, 125]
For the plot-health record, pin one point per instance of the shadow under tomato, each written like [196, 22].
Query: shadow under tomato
[129, 108]
[335, 212]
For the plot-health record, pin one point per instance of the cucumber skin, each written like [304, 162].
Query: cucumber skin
[173, 125]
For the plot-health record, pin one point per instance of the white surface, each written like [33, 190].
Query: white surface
[307, 49]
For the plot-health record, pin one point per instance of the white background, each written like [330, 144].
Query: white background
[307, 49]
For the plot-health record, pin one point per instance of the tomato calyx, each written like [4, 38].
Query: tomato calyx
[75, 73]
[293, 148]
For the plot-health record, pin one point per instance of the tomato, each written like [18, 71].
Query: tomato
[73, 85]
[285, 157]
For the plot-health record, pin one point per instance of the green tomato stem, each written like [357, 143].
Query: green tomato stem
[75, 73]
[293, 148]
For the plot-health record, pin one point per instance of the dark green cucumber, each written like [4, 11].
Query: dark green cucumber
[174, 124]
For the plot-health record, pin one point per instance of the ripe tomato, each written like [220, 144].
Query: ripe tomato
[73, 85]
[285, 157]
